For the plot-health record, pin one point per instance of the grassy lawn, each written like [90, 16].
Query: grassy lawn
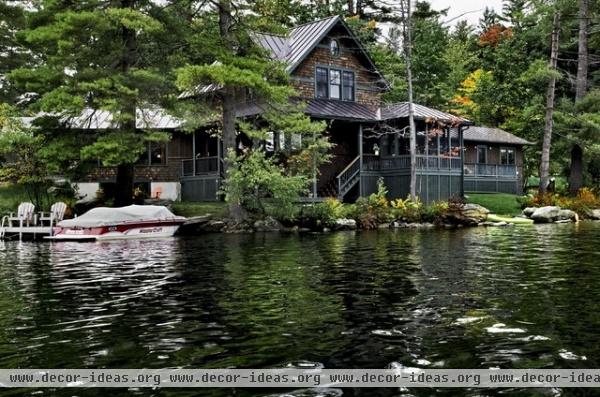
[498, 203]
[10, 198]
[189, 209]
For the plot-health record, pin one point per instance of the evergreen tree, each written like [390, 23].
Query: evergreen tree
[99, 55]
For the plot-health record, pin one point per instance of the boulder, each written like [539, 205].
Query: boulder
[344, 224]
[568, 215]
[213, 226]
[529, 211]
[467, 214]
[269, 224]
[594, 214]
[546, 214]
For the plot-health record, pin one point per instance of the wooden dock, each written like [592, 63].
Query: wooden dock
[28, 232]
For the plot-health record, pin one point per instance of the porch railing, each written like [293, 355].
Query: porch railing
[376, 163]
[201, 166]
[348, 177]
[491, 170]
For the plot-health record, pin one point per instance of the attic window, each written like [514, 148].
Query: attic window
[334, 48]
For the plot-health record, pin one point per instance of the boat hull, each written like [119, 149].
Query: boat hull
[118, 232]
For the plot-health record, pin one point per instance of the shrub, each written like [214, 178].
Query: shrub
[408, 210]
[262, 187]
[435, 212]
[322, 214]
[585, 201]
[370, 212]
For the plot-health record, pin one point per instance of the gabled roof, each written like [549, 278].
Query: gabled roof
[302, 40]
[400, 110]
[294, 47]
[492, 135]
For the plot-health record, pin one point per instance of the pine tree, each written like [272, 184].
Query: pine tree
[95, 55]
[244, 74]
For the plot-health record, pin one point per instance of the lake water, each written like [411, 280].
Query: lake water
[430, 299]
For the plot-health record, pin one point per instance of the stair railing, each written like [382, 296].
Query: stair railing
[347, 175]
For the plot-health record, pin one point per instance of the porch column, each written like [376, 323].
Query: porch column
[360, 159]
[194, 153]
[462, 161]
[218, 156]
[314, 187]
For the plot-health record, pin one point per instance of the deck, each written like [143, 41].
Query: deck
[34, 232]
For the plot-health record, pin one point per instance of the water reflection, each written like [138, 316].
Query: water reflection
[480, 298]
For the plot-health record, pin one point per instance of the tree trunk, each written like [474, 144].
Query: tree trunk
[411, 107]
[125, 172]
[576, 171]
[576, 177]
[583, 57]
[545, 163]
[229, 98]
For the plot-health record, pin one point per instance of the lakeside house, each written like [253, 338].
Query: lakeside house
[332, 71]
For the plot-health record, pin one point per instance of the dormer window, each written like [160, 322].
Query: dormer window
[334, 48]
[333, 83]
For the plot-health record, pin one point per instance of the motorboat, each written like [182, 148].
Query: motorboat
[134, 221]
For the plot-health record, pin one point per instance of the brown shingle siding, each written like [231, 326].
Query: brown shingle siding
[366, 81]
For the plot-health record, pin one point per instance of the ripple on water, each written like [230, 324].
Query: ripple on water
[442, 299]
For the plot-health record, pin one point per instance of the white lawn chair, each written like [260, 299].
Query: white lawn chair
[25, 216]
[56, 214]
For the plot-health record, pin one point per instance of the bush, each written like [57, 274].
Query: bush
[435, 212]
[323, 214]
[372, 211]
[407, 210]
[262, 187]
[583, 203]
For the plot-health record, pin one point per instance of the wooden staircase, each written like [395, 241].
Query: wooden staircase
[339, 186]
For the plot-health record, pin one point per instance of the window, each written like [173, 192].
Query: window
[158, 153]
[481, 154]
[507, 156]
[334, 48]
[335, 84]
[155, 154]
[322, 83]
[348, 86]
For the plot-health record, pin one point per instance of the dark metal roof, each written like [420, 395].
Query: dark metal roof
[295, 47]
[304, 38]
[495, 135]
[354, 111]
[278, 46]
[400, 111]
[340, 110]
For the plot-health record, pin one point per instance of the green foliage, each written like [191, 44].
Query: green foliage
[99, 55]
[371, 211]
[585, 201]
[260, 186]
[323, 214]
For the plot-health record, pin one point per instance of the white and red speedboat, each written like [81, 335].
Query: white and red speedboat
[134, 221]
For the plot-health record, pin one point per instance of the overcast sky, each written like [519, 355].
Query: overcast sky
[458, 7]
